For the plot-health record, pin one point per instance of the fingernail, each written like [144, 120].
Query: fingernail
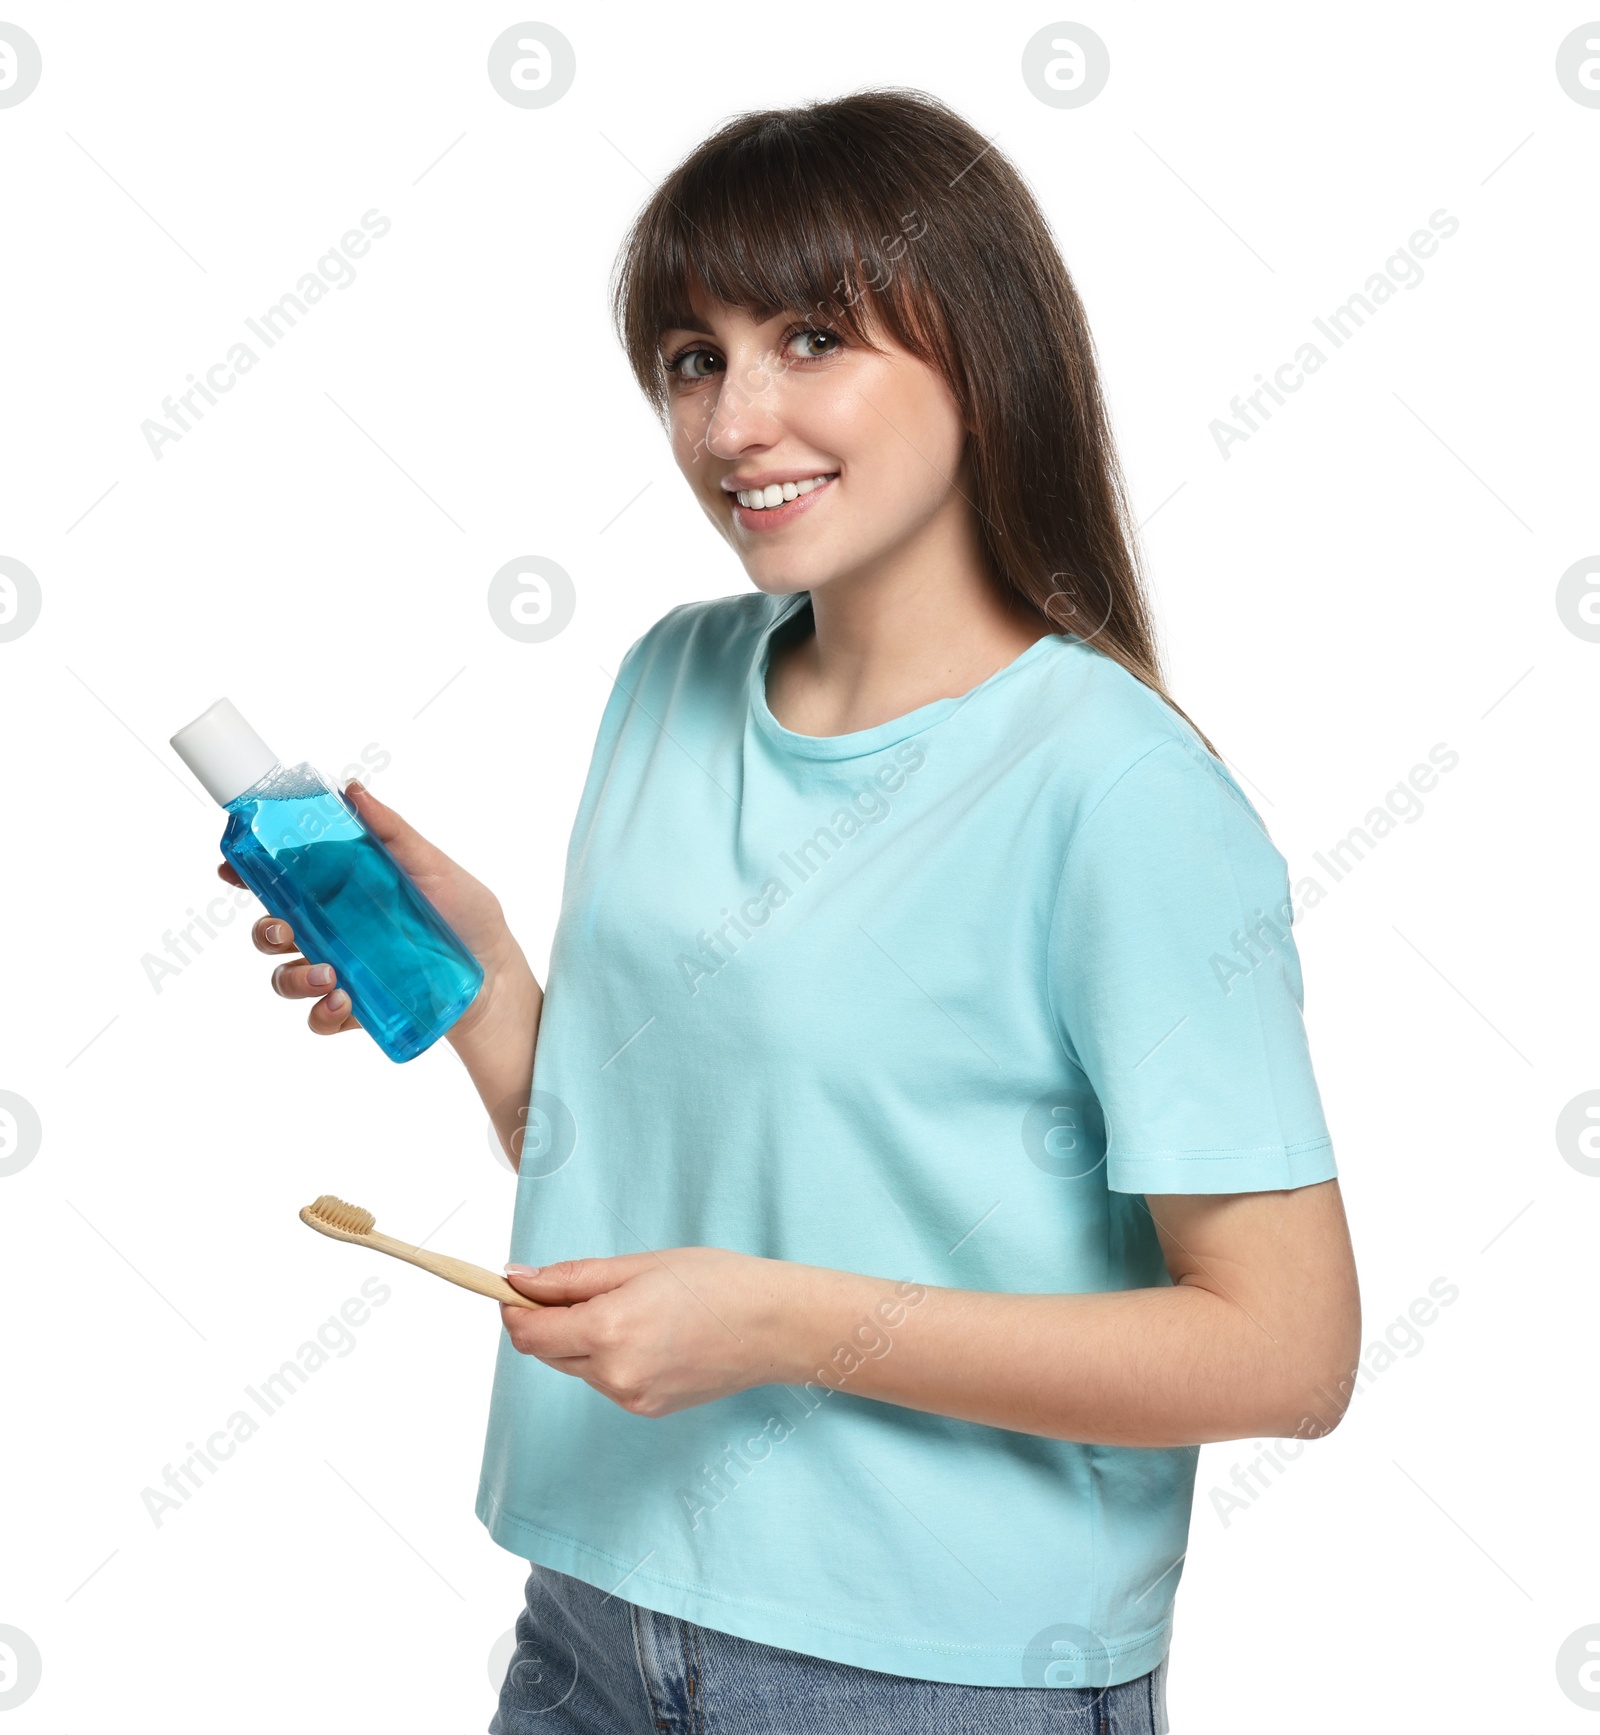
[355, 783]
[523, 1270]
[338, 1001]
[319, 975]
[274, 933]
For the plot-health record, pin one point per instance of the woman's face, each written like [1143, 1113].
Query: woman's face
[862, 446]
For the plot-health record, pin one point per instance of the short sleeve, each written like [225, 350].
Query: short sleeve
[1176, 984]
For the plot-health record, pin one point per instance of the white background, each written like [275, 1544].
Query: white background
[1372, 573]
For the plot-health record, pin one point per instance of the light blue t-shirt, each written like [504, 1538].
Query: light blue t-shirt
[936, 1001]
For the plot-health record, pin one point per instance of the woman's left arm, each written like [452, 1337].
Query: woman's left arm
[1257, 1334]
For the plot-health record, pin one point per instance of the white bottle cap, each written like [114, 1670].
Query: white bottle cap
[224, 752]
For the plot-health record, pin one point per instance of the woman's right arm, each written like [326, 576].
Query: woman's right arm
[496, 1036]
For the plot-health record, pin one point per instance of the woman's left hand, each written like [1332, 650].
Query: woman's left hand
[658, 1332]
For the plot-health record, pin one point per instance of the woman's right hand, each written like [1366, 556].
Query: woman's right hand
[465, 903]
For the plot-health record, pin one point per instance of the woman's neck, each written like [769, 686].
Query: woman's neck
[930, 625]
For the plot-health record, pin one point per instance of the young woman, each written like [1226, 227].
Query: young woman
[922, 1152]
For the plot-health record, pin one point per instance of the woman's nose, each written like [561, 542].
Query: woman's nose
[745, 413]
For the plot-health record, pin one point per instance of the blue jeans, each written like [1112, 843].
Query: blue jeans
[591, 1664]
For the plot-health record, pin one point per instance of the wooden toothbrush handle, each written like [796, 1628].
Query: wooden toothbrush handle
[460, 1271]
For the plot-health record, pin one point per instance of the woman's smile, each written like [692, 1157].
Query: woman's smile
[775, 504]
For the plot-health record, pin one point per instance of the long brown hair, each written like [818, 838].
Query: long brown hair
[887, 210]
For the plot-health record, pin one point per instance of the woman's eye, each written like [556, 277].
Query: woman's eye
[814, 344]
[694, 364]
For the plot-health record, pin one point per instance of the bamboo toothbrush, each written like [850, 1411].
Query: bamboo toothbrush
[345, 1222]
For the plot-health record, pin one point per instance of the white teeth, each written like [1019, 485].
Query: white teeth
[777, 493]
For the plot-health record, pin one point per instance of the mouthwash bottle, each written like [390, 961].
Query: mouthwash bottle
[300, 846]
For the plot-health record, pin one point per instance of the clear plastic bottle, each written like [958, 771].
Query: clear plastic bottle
[300, 846]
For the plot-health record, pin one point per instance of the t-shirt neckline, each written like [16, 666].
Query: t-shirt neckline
[860, 742]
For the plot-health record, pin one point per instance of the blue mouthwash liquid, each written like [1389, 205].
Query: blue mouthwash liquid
[302, 849]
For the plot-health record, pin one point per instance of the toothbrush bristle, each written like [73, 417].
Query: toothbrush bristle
[343, 1215]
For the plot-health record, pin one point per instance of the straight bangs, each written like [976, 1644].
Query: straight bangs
[771, 224]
